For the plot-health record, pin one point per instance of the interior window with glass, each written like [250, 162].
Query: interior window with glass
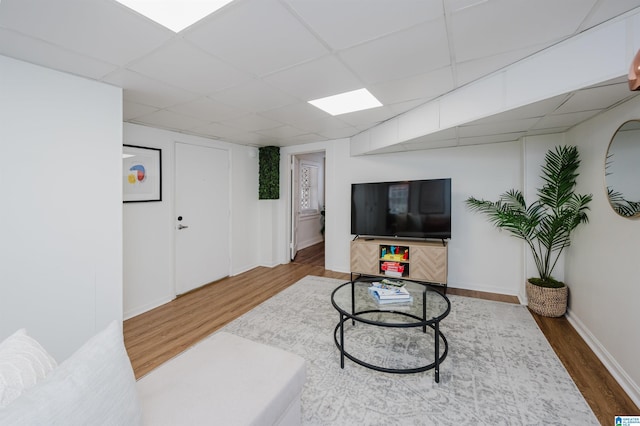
[308, 189]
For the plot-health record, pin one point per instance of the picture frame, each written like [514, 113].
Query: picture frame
[141, 174]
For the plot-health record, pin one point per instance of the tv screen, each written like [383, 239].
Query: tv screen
[408, 209]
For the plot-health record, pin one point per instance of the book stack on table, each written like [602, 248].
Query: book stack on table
[387, 292]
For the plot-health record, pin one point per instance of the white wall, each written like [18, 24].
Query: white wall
[61, 214]
[602, 267]
[148, 228]
[480, 257]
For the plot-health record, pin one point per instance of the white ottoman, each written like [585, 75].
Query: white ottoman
[225, 380]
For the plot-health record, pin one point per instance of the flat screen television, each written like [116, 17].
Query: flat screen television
[418, 209]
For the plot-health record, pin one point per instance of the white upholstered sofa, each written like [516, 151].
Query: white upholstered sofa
[225, 379]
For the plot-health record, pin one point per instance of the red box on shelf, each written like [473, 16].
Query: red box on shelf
[392, 267]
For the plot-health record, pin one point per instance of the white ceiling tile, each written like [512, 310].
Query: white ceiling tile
[322, 77]
[344, 24]
[499, 26]
[170, 120]
[254, 63]
[422, 86]
[219, 131]
[252, 122]
[145, 91]
[281, 132]
[302, 139]
[253, 96]
[605, 9]
[131, 110]
[564, 120]
[372, 115]
[595, 98]
[537, 109]
[345, 132]
[259, 36]
[295, 114]
[183, 65]
[39, 52]
[100, 29]
[322, 125]
[414, 51]
[208, 110]
[468, 71]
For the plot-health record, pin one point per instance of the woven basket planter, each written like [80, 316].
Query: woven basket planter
[548, 302]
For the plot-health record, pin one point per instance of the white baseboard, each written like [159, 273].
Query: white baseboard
[479, 287]
[308, 243]
[147, 307]
[630, 387]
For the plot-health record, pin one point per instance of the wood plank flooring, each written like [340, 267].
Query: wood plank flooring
[162, 333]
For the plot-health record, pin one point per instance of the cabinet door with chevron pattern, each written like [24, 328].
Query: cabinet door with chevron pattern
[365, 258]
[429, 263]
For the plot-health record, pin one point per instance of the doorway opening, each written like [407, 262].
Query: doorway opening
[308, 208]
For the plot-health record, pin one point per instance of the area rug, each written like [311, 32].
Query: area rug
[500, 369]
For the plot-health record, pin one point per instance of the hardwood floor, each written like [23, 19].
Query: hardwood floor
[160, 334]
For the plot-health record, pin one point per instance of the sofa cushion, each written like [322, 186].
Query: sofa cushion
[23, 362]
[95, 386]
[224, 380]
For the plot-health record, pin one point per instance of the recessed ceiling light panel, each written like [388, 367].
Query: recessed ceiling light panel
[175, 14]
[356, 100]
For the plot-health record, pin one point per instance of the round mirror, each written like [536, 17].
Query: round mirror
[622, 170]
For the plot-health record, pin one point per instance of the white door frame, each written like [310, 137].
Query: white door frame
[291, 196]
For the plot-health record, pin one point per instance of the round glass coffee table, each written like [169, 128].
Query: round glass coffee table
[425, 311]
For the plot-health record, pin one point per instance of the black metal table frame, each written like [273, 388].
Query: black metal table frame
[433, 323]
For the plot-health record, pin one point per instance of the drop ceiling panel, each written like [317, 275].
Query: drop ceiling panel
[255, 63]
[170, 120]
[259, 36]
[520, 19]
[322, 77]
[219, 131]
[253, 96]
[282, 132]
[131, 110]
[252, 122]
[537, 109]
[208, 110]
[417, 50]
[185, 66]
[564, 120]
[471, 70]
[296, 114]
[145, 91]
[422, 86]
[605, 9]
[343, 24]
[100, 29]
[29, 49]
[595, 98]
[307, 138]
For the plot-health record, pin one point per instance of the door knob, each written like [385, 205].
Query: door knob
[181, 226]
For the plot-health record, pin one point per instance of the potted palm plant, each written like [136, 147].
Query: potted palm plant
[545, 225]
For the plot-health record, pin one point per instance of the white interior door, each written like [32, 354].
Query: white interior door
[295, 205]
[202, 216]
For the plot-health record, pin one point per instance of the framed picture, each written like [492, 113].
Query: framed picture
[141, 174]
